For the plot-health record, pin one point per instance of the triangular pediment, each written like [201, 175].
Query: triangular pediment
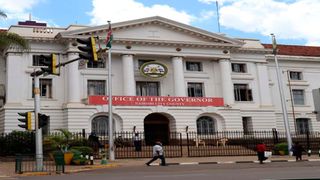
[156, 29]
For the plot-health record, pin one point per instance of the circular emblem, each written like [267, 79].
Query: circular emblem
[153, 69]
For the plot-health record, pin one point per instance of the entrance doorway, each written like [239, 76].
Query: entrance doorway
[156, 127]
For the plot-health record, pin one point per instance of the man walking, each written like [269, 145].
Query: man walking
[157, 152]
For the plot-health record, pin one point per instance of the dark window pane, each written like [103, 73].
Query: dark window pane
[195, 90]
[205, 125]
[96, 87]
[144, 88]
[193, 66]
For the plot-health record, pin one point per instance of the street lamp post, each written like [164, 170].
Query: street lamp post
[283, 102]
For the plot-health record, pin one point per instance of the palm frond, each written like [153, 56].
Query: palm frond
[8, 39]
[2, 14]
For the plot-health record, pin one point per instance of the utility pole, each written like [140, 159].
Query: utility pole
[39, 151]
[283, 101]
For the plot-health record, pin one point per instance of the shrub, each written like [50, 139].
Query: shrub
[84, 150]
[281, 147]
[18, 142]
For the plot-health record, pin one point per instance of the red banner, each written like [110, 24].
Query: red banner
[156, 101]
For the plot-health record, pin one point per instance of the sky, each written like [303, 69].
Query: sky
[294, 22]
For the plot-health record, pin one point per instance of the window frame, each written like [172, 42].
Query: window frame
[96, 64]
[239, 67]
[194, 66]
[48, 93]
[247, 125]
[193, 92]
[303, 125]
[239, 89]
[295, 75]
[96, 91]
[142, 88]
[297, 97]
[209, 125]
[36, 60]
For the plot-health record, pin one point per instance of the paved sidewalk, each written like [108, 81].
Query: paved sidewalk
[7, 168]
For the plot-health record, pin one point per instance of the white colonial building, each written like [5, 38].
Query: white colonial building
[190, 78]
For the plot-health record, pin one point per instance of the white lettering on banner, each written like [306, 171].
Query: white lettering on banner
[156, 101]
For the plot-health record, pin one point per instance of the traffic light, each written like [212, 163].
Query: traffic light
[43, 120]
[26, 120]
[51, 62]
[89, 52]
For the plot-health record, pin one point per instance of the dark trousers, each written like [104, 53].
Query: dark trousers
[298, 156]
[163, 161]
[137, 145]
[261, 157]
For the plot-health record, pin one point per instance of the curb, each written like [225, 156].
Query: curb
[35, 174]
[88, 168]
[236, 162]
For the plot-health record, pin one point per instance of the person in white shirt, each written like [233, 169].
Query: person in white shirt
[157, 152]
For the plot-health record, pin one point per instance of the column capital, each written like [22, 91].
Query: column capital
[172, 57]
[224, 59]
[127, 54]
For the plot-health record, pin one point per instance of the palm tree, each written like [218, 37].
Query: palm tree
[2, 14]
[8, 39]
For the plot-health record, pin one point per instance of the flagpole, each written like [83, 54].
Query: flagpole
[111, 144]
[218, 16]
[283, 102]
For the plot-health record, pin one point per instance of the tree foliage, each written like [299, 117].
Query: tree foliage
[8, 39]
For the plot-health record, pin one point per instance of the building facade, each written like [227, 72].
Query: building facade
[166, 77]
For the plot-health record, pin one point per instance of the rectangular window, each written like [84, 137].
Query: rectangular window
[193, 66]
[239, 68]
[96, 87]
[96, 64]
[242, 92]
[298, 96]
[247, 125]
[195, 90]
[45, 86]
[302, 125]
[36, 60]
[144, 88]
[294, 75]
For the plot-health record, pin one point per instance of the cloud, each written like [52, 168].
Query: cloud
[17, 9]
[17, 6]
[206, 15]
[123, 10]
[288, 19]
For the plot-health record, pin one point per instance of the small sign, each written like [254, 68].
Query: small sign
[154, 69]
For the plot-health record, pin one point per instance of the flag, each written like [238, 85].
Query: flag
[109, 37]
[274, 44]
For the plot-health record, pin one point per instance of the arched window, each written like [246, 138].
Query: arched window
[99, 125]
[205, 125]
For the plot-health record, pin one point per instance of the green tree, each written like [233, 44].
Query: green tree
[8, 39]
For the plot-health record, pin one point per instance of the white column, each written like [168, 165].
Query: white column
[178, 76]
[226, 81]
[73, 76]
[263, 82]
[129, 84]
[16, 78]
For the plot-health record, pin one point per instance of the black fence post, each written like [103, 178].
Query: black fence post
[84, 133]
[181, 152]
[188, 144]
[275, 136]
[308, 143]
